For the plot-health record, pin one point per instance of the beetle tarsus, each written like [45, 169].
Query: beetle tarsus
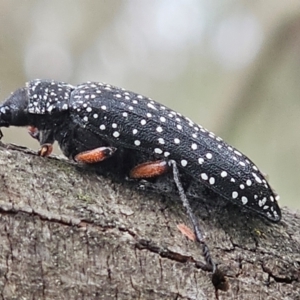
[45, 150]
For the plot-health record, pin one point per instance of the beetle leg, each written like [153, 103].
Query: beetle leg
[34, 132]
[46, 150]
[95, 155]
[187, 232]
[45, 137]
[157, 168]
[149, 169]
[186, 204]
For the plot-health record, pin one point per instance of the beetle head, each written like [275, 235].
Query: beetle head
[13, 110]
[26, 106]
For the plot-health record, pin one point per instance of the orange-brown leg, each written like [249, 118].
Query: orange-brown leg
[34, 132]
[149, 169]
[95, 155]
[156, 168]
[185, 230]
[45, 150]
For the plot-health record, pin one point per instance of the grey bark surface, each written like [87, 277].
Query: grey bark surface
[69, 234]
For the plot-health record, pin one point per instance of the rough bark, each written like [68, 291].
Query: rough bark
[69, 234]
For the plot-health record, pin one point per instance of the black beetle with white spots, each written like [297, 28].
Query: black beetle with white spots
[117, 119]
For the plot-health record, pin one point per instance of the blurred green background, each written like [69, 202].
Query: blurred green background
[232, 66]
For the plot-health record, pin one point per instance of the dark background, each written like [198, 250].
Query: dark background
[232, 66]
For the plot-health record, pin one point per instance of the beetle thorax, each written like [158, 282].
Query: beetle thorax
[48, 97]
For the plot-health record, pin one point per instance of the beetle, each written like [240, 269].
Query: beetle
[94, 122]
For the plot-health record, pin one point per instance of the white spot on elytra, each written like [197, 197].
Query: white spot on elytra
[223, 174]
[95, 116]
[212, 180]
[209, 156]
[116, 134]
[162, 119]
[179, 126]
[256, 178]
[234, 195]
[244, 200]
[161, 141]
[166, 154]
[237, 153]
[177, 141]
[114, 125]
[103, 107]
[151, 106]
[143, 122]
[125, 114]
[159, 129]
[102, 127]
[85, 118]
[242, 186]
[194, 146]
[134, 131]
[200, 160]
[137, 142]
[262, 202]
[158, 151]
[204, 176]
[249, 182]
[183, 162]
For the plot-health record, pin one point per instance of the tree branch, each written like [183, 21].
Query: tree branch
[69, 234]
